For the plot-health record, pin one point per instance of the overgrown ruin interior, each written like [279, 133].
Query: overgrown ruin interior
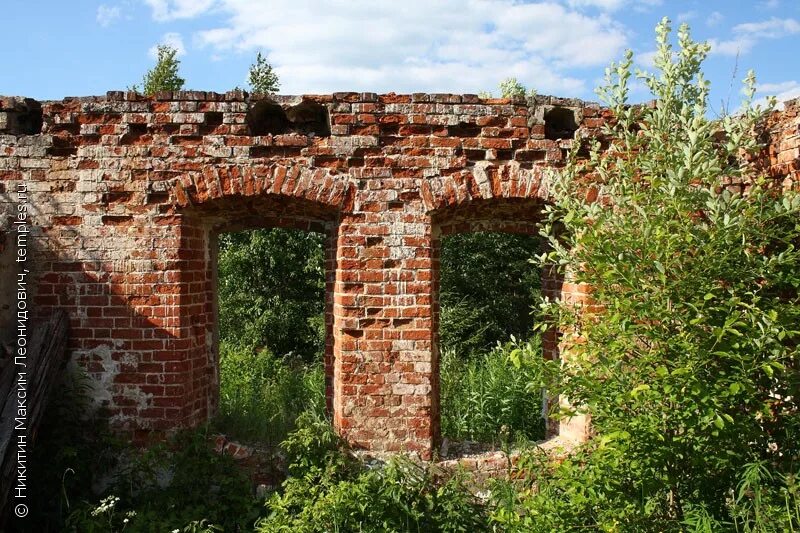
[127, 195]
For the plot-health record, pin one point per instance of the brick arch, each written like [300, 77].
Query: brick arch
[215, 182]
[481, 182]
[231, 198]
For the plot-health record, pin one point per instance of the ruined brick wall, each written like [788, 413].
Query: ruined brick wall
[782, 153]
[129, 194]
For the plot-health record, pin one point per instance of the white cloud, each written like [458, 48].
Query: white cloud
[687, 15]
[747, 35]
[614, 5]
[606, 5]
[171, 39]
[106, 15]
[714, 19]
[777, 88]
[771, 4]
[731, 47]
[646, 59]
[449, 45]
[164, 10]
[773, 28]
[782, 91]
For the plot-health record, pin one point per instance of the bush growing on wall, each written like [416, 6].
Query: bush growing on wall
[261, 77]
[164, 75]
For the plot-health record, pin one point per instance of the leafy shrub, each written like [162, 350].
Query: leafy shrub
[596, 488]
[72, 450]
[511, 88]
[182, 484]
[690, 370]
[488, 289]
[330, 491]
[272, 290]
[486, 398]
[261, 395]
[84, 479]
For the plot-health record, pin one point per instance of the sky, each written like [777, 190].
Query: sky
[61, 48]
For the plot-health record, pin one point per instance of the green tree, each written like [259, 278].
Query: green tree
[488, 290]
[271, 291]
[690, 371]
[164, 75]
[262, 77]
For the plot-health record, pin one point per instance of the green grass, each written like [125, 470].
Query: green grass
[261, 395]
[484, 398]
[482, 395]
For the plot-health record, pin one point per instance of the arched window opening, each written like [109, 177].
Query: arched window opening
[272, 331]
[488, 289]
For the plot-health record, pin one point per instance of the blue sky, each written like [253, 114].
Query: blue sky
[61, 48]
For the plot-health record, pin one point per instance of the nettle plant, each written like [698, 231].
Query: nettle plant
[689, 364]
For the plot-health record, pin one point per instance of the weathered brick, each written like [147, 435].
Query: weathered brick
[127, 189]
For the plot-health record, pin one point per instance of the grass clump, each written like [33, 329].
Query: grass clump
[493, 397]
[261, 395]
[328, 490]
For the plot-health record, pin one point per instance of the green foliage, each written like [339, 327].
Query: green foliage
[261, 395]
[587, 490]
[271, 291]
[164, 75]
[488, 289]
[492, 397]
[83, 479]
[596, 489]
[510, 88]
[330, 491]
[182, 485]
[691, 370]
[262, 78]
[72, 449]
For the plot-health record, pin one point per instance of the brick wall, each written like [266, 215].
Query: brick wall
[129, 194]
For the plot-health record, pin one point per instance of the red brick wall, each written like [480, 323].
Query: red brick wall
[130, 193]
[783, 145]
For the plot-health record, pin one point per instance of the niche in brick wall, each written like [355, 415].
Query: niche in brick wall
[21, 117]
[269, 118]
[559, 123]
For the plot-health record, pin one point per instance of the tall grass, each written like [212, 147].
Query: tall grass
[261, 395]
[486, 398]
